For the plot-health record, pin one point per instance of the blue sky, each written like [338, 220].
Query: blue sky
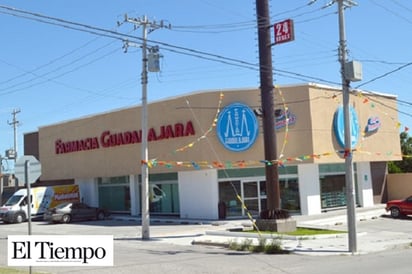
[53, 73]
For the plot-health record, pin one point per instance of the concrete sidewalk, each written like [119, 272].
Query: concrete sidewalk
[370, 237]
[367, 240]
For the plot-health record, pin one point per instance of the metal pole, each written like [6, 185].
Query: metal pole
[1, 181]
[15, 123]
[1, 187]
[26, 179]
[15, 139]
[268, 104]
[145, 194]
[145, 155]
[350, 189]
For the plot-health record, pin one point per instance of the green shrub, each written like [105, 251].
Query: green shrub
[269, 247]
[274, 247]
[245, 245]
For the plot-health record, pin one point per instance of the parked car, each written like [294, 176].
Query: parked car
[400, 208]
[67, 212]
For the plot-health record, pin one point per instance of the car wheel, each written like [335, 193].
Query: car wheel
[100, 215]
[66, 218]
[395, 212]
[19, 217]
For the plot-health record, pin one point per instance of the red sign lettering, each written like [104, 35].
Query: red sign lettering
[112, 139]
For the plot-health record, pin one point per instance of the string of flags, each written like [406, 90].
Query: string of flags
[281, 161]
[253, 163]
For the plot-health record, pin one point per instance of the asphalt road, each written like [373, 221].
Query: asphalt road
[170, 251]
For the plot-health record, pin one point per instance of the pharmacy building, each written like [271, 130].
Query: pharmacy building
[206, 149]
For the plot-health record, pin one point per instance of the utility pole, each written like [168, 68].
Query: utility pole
[147, 27]
[268, 104]
[349, 182]
[15, 123]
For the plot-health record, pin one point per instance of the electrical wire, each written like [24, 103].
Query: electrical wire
[384, 75]
[124, 37]
[217, 28]
[32, 72]
[391, 11]
[14, 88]
[169, 47]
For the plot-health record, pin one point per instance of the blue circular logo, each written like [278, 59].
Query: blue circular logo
[339, 126]
[237, 127]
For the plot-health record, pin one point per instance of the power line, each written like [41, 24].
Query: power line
[217, 28]
[385, 74]
[44, 65]
[294, 9]
[392, 12]
[121, 36]
[62, 22]
[169, 47]
[15, 88]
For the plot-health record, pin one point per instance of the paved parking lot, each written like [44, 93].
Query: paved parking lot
[170, 248]
[120, 229]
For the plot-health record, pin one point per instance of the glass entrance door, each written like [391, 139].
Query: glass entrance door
[254, 197]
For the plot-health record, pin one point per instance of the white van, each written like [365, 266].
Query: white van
[42, 198]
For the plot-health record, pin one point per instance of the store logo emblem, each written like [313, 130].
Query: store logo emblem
[374, 123]
[339, 127]
[237, 127]
[284, 118]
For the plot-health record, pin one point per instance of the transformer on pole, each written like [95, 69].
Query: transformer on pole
[151, 60]
[350, 71]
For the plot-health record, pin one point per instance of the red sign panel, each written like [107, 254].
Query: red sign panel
[284, 31]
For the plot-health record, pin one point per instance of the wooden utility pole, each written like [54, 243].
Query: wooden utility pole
[268, 104]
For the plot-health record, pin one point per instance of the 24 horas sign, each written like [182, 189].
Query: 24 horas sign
[112, 139]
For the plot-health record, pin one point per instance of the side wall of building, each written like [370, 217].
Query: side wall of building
[399, 185]
[198, 194]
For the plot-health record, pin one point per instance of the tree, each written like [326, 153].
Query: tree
[406, 164]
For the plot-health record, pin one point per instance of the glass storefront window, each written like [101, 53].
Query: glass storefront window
[250, 190]
[289, 194]
[333, 185]
[332, 189]
[228, 191]
[253, 194]
[114, 193]
[262, 185]
[164, 199]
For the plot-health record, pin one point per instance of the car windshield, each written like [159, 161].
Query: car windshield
[13, 200]
[63, 205]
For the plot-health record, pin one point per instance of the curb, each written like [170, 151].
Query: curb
[160, 221]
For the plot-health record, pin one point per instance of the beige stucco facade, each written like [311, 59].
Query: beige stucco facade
[185, 129]
[399, 186]
[207, 147]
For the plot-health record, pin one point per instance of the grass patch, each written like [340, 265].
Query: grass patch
[7, 270]
[302, 231]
